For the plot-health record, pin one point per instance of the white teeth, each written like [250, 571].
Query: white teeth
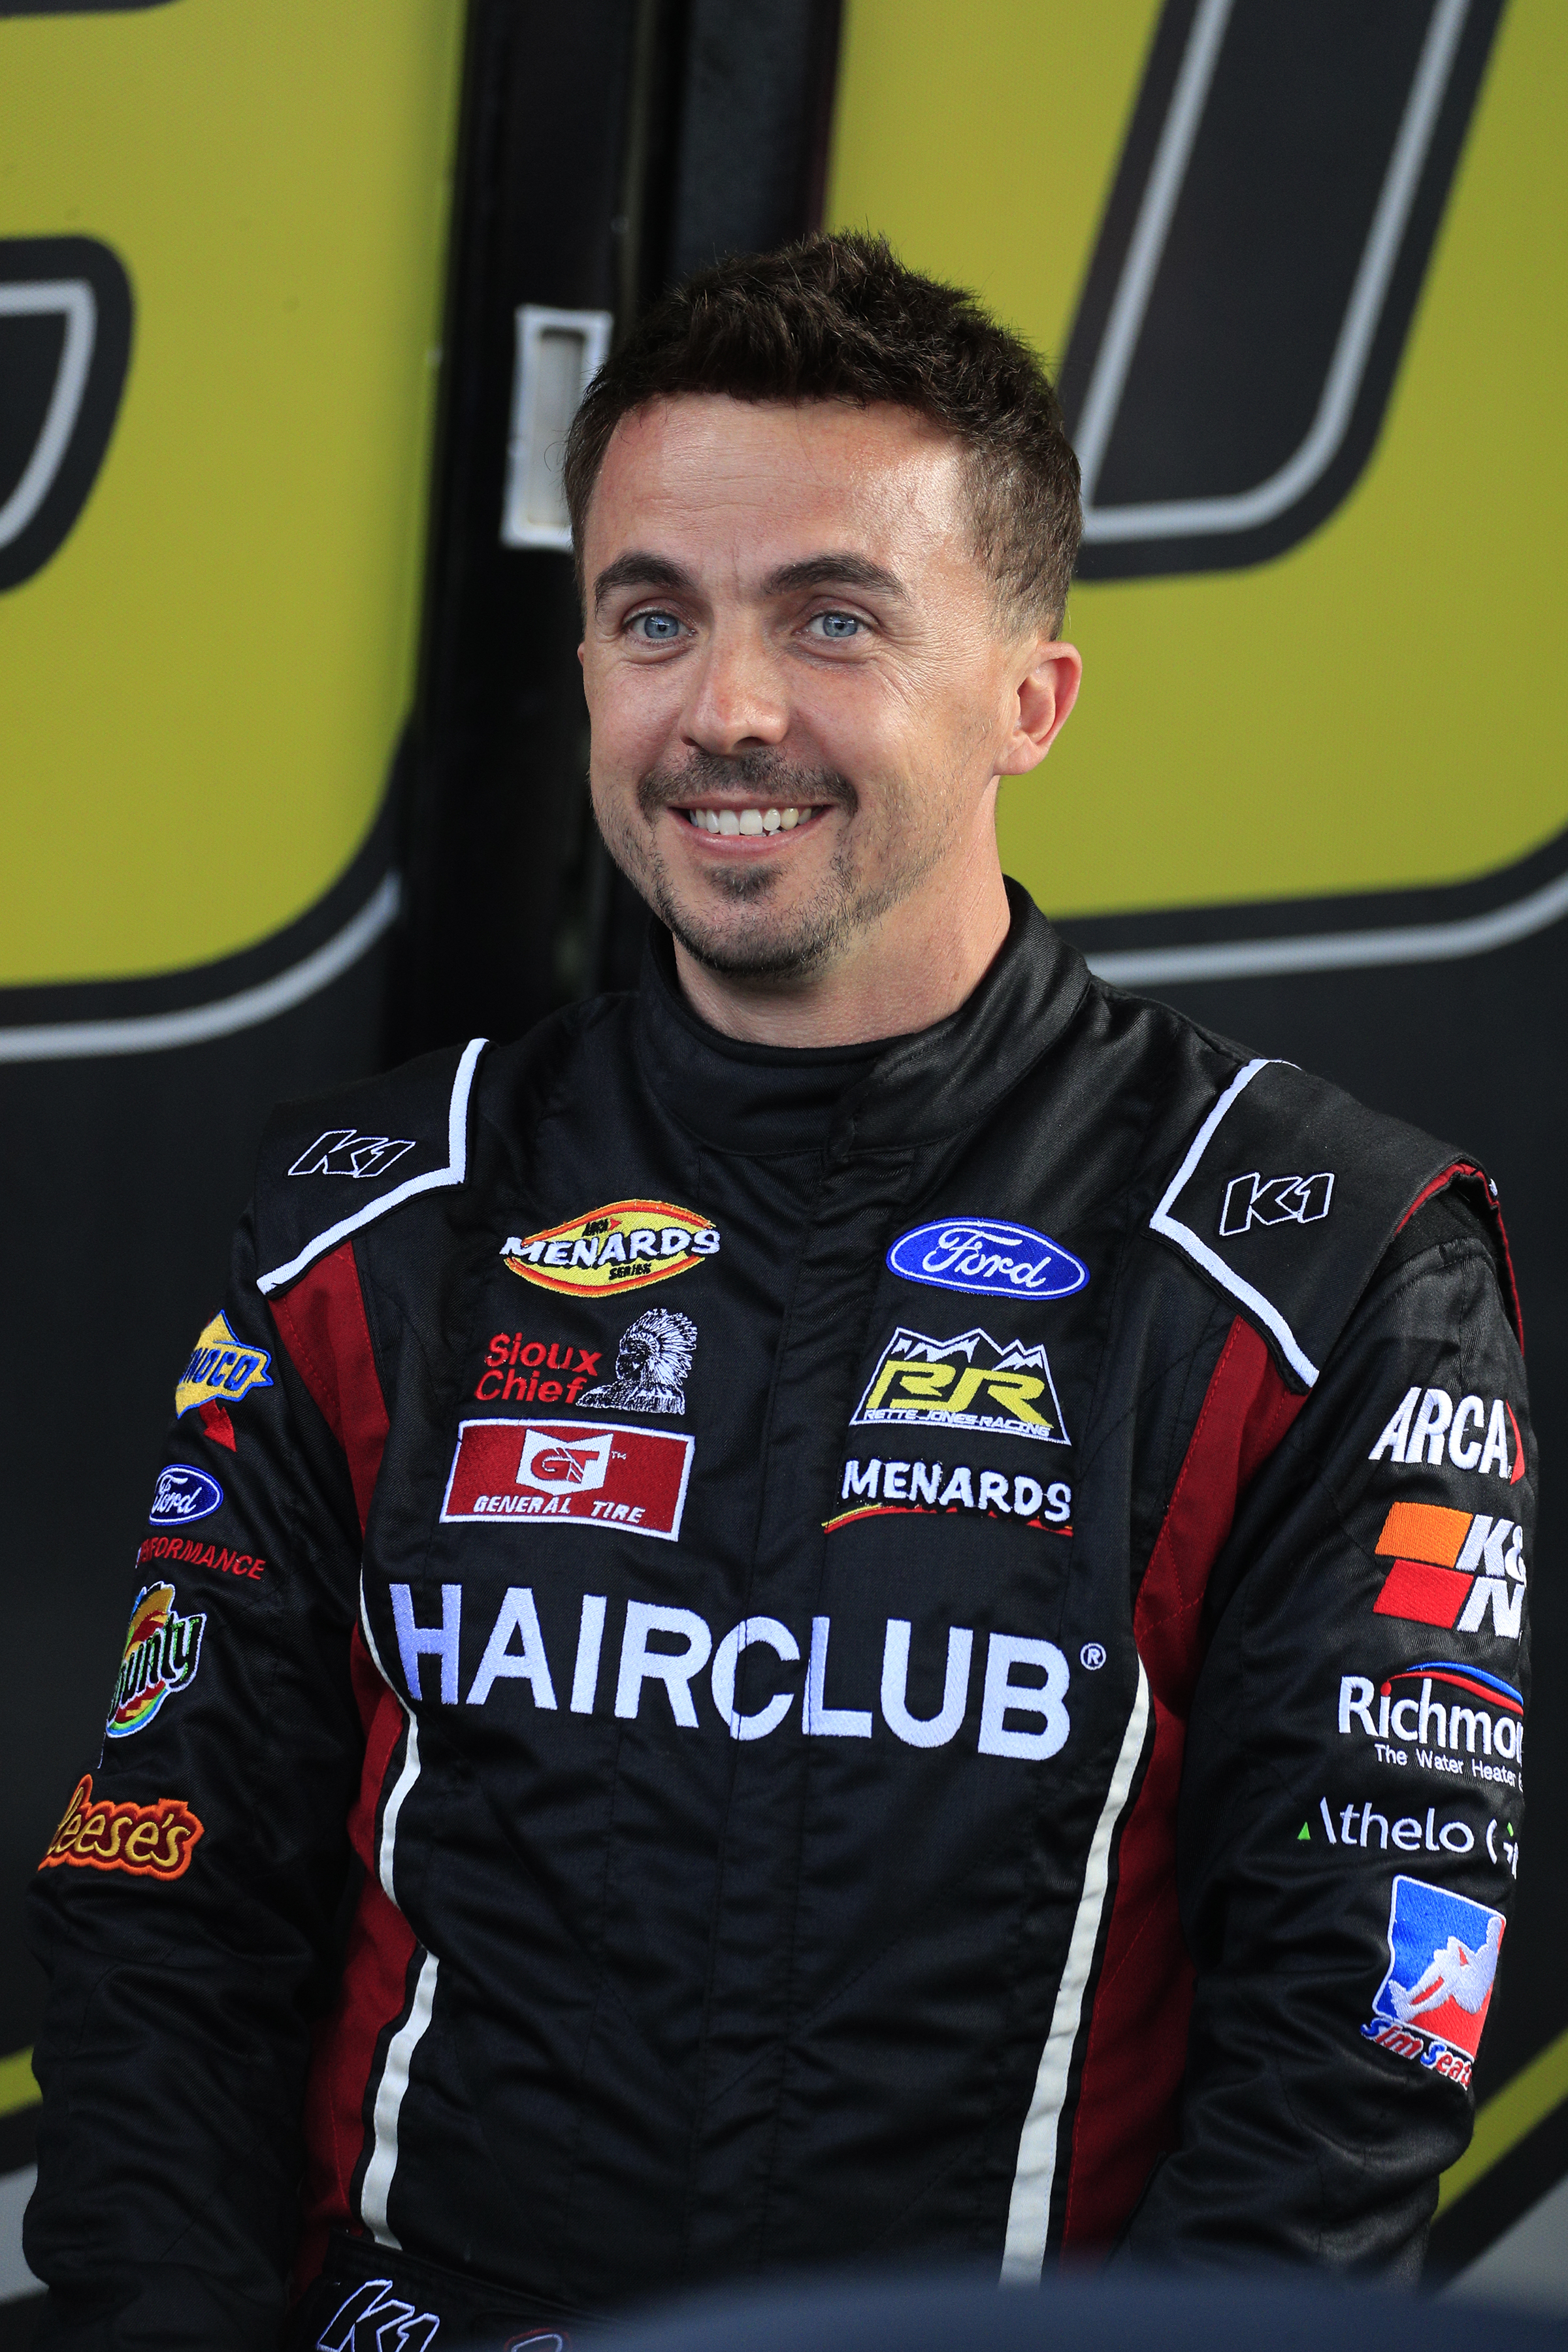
[748, 821]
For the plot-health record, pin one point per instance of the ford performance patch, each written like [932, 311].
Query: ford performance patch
[988, 1259]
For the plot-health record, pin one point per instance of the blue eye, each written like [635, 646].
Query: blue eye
[656, 628]
[836, 625]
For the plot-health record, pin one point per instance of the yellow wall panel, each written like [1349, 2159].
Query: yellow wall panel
[200, 692]
[1376, 709]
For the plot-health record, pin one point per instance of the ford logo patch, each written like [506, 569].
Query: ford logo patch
[987, 1258]
[184, 1493]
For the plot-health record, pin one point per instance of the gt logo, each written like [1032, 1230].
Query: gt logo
[1257, 1199]
[562, 1468]
[343, 1151]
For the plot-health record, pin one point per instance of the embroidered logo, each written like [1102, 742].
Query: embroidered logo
[622, 1245]
[154, 1841]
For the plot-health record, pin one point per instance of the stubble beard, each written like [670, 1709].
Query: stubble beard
[792, 943]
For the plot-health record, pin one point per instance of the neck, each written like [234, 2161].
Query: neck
[904, 973]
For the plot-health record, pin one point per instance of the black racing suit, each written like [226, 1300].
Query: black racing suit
[757, 1658]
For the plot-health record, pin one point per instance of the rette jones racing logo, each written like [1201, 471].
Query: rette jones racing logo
[1450, 1566]
[65, 344]
[1442, 1964]
[1312, 149]
[967, 1382]
[620, 1246]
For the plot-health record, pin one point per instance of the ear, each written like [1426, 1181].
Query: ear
[1046, 693]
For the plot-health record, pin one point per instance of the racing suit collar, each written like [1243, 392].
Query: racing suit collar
[739, 1096]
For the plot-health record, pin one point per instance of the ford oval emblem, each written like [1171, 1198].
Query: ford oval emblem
[988, 1258]
[184, 1493]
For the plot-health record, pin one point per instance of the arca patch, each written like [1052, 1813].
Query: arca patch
[621, 1246]
[967, 1382]
[987, 1258]
[153, 1841]
[597, 1476]
[222, 1370]
[1442, 1964]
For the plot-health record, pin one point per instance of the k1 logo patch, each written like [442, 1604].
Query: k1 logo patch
[344, 1151]
[967, 1382]
[987, 1258]
[620, 1246]
[1442, 1964]
[1260, 1200]
[607, 1476]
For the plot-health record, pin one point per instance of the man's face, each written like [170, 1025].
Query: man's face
[800, 692]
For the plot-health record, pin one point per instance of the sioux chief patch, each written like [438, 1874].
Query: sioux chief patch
[618, 1247]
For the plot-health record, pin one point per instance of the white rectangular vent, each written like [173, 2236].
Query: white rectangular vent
[558, 352]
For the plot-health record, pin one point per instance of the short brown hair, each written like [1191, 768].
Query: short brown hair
[840, 318]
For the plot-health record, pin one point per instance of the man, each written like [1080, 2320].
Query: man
[924, 1737]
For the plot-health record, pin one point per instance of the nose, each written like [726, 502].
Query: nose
[738, 702]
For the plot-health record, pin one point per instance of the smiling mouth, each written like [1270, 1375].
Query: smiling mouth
[753, 820]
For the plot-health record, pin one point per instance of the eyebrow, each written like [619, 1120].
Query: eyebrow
[838, 570]
[638, 570]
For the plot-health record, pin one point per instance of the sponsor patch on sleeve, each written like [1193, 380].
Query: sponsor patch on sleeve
[222, 1370]
[1442, 1964]
[1452, 1567]
[153, 1841]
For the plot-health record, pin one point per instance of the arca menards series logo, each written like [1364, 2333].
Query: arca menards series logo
[620, 1246]
[967, 1382]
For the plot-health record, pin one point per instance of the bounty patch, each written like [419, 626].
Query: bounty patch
[163, 1651]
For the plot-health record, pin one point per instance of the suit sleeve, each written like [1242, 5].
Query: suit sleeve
[188, 1909]
[1352, 1788]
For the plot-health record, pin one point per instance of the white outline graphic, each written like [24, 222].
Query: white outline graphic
[1162, 1221]
[72, 299]
[154, 1032]
[1246, 510]
[453, 1174]
[1337, 951]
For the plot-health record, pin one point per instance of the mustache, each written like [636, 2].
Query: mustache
[784, 781]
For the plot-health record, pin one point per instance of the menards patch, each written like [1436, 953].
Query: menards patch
[618, 1247]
